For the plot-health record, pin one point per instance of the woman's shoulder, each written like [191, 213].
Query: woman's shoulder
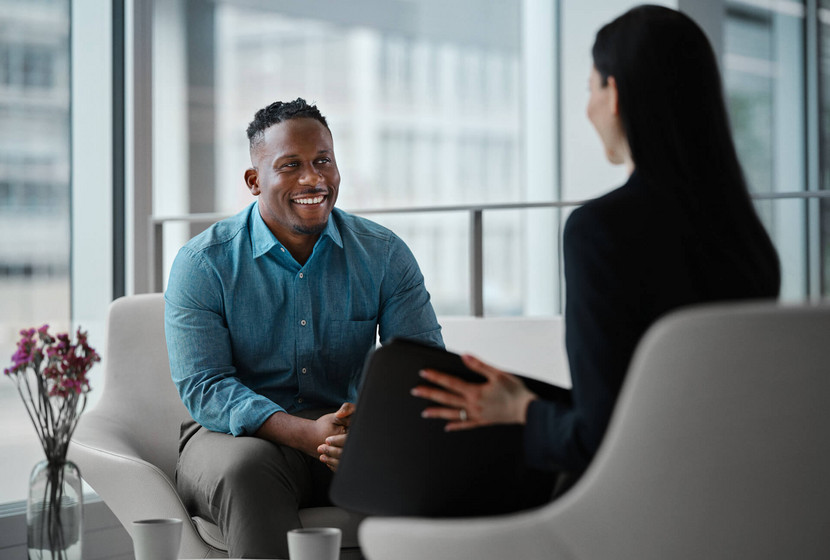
[624, 206]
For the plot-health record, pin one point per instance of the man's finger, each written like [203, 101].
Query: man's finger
[336, 441]
[346, 409]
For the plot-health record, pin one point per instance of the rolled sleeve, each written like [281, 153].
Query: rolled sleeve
[199, 347]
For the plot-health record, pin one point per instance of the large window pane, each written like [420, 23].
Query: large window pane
[441, 244]
[765, 83]
[424, 105]
[824, 141]
[424, 98]
[34, 204]
[785, 219]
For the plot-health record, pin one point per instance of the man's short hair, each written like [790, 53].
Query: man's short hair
[280, 111]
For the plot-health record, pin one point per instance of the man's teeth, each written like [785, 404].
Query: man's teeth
[314, 200]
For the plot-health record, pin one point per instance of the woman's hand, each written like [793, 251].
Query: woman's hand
[501, 399]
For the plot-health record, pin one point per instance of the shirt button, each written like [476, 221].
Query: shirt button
[303, 322]
[300, 400]
[301, 275]
[304, 370]
[282, 249]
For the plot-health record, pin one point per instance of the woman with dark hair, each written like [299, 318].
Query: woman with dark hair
[681, 231]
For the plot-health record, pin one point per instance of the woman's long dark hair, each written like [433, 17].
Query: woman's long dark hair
[674, 116]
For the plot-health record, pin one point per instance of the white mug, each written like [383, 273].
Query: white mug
[157, 539]
[314, 543]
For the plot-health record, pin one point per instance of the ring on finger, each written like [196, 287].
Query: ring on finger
[462, 414]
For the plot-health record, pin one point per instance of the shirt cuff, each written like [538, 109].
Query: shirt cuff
[247, 418]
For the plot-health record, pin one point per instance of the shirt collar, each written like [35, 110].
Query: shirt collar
[263, 240]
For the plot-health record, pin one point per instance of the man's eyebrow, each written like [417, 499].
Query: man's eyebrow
[296, 156]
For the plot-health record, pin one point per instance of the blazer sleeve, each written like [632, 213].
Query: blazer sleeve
[602, 292]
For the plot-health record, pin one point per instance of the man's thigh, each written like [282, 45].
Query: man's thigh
[214, 467]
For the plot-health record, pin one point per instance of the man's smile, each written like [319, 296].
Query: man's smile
[306, 200]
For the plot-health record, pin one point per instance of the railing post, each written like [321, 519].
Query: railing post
[156, 256]
[476, 264]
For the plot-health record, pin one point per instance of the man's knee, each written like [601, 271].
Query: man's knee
[261, 469]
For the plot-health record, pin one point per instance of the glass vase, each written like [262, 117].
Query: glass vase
[54, 511]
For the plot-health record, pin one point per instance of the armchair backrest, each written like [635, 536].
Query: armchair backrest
[137, 384]
[720, 443]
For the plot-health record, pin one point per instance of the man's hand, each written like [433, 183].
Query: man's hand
[331, 450]
[306, 435]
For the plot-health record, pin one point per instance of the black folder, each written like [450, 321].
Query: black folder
[397, 463]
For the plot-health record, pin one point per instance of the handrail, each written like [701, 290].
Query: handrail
[476, 231]
[476, 237]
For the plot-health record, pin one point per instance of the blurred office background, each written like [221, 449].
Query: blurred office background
[116, 113]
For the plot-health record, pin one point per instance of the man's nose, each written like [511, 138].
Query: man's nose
[310, 175]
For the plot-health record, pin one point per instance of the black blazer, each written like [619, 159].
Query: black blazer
[630, 257]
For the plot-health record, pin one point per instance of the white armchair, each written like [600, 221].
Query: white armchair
[127, 446]
[719, 448]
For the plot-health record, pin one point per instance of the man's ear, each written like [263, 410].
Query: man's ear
[252, 180]
[613, 97]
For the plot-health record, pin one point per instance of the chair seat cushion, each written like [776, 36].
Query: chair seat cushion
[210, 533]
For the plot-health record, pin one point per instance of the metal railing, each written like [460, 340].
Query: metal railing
[476, 230]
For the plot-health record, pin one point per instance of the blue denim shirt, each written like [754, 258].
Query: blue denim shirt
[251, 332]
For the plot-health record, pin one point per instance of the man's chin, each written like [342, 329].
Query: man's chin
[311, 229]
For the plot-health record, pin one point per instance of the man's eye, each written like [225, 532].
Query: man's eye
[324, 160]
[290, 164]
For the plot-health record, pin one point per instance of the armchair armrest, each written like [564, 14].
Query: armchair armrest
[523, 536]
[110, 461]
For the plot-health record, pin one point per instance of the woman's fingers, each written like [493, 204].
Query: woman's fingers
[478, 366]
[449, 382]
[439, 396]
[454, 417]
[442, 413]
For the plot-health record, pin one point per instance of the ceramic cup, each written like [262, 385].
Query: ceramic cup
[314, 543]
[157, 539]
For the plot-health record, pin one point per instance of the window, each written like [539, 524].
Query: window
[781, 138]
[432, 103]
[423, 98]
[765, 82]
[824, 139]
[34, 204]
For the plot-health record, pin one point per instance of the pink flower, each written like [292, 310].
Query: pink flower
[51, 377]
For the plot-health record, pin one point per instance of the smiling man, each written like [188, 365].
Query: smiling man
[269, 316]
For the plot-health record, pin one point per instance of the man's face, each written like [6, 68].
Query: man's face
[296, 178]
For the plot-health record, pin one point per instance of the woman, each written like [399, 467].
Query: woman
[682, 230]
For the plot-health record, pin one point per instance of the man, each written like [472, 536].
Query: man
[269, 316]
